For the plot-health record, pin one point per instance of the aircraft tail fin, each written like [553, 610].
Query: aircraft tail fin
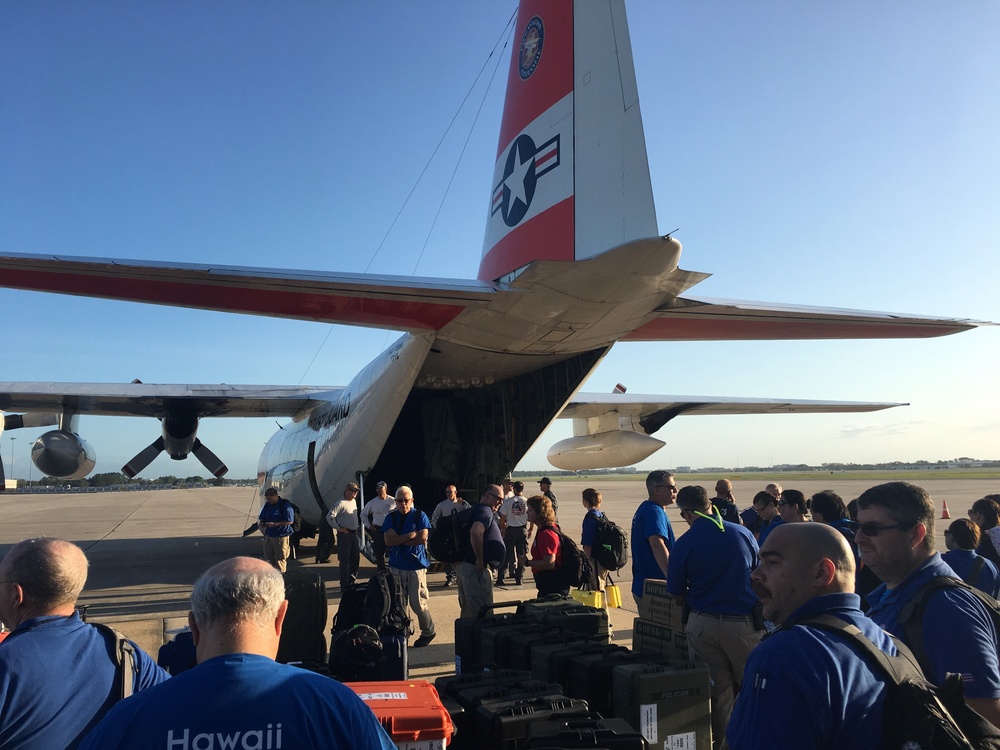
[571, 177]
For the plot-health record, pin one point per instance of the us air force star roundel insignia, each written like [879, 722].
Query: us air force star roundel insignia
[525, 164]
[531, 48]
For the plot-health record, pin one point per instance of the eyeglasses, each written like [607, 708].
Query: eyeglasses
[873, 529]
[671, 487]
[493, 494]
[782, 503]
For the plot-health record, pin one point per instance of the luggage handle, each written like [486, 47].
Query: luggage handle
[487, 608]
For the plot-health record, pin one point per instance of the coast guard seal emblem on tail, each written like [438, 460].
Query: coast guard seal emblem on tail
[531, 48]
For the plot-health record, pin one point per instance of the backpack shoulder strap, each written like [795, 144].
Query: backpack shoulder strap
[975, 571]
[911, 616]
[124, 655]
[897, 669]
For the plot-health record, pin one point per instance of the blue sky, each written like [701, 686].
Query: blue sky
[828, 154]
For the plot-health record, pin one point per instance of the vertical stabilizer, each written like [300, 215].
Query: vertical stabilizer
[571, 177]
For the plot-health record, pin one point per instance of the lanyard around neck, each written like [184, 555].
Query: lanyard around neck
[717, 520]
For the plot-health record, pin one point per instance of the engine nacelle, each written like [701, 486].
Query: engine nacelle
[63, 454]
[605, 450]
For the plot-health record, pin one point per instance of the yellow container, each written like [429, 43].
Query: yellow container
[589, 598]
[614, 595]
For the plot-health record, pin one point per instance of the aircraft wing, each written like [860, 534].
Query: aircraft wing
[659, 410]
[704, 319]
[401, 303]
[152, 400]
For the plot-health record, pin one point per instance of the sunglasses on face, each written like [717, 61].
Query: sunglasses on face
[873, 529]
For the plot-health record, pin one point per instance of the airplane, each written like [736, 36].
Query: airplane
[572, 263]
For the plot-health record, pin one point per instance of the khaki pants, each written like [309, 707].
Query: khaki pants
[276, 551]
[413, 583]
[475, 589]
[723, 643]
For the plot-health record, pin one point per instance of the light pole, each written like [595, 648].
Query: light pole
[12, 457]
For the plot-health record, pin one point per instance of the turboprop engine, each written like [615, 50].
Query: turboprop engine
[63, 454]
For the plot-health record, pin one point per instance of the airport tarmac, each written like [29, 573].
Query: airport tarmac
[146, 548]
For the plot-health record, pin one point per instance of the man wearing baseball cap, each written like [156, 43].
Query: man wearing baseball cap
[545, 485]
[343, 519]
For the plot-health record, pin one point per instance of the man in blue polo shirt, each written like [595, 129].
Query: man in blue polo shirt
[652, 535]
[486, 551]
[709, 571]
[406, 530]
[895, 536]
[238, 696]
[56, 676]
[804, 687]
[276, 518]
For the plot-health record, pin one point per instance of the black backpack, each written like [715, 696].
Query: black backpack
[449, 541]
[916, 715]
[574, 568]
[610, 547]
[296, 516]
[385, 606]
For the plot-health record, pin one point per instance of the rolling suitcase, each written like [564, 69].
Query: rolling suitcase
[611, 734]
[556, 667]
[587, 621]
[495, 641]
[471, 698]
[504, 725]
[303, 636]
[590, 676]
[467, 635]
[551, 602]
[519, 649]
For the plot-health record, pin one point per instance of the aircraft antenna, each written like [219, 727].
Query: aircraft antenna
[505, 33]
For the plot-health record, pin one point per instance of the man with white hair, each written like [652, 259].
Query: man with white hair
[56, 676]
[406, 530]
[238, 696]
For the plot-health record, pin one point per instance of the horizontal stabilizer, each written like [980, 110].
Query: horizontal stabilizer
[398, 302]
[655, 411]
[703, 319]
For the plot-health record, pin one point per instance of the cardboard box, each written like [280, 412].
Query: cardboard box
[410, 711]
[656, 605]
[663, 640]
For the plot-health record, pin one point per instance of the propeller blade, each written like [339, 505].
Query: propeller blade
[208, 459]
[3, 478]
[143, 458]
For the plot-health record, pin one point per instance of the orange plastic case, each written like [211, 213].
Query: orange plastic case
[410, 711]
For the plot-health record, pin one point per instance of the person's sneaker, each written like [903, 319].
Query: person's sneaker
[423, 640]
[500, 582]
[517, 581]
[448, 583]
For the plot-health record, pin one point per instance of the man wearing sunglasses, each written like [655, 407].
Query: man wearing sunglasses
[955, 632]
[652, 535]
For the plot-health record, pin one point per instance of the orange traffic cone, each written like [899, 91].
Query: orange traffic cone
[945, 515]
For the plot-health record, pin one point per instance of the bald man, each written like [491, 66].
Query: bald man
[238, 696]
[56, 676]
[725, 503]
[804, 687]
